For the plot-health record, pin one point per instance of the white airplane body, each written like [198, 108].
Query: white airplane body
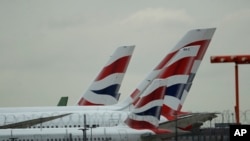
[185, 56]
[73, 134]
[76, 118]
[141, 122]
[72, 118]
[59, 118]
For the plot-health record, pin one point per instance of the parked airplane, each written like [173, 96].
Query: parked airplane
[104, 89]
[191, 46]
[140, 125]
[95, 117]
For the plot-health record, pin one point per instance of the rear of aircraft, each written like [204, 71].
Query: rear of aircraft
[147, 110]
[104, 90]
[179, 66]
[181, 69]
[144, 118]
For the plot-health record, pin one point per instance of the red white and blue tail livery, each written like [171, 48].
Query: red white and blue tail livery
[181, 69]
[178, 68]
[104, 90]
[147, 111]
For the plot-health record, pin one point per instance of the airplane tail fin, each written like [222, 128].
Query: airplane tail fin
[146, 112]
[63, 101]
[183, 60]
[196, 37]
[181, 69]
[104, 89]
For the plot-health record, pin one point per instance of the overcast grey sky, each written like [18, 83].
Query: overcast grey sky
[54, 48]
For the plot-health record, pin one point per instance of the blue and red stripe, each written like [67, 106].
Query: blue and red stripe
[111, 90]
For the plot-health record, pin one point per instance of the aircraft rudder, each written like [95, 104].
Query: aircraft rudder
[104, 90]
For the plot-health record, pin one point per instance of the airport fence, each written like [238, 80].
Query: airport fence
[228, 116]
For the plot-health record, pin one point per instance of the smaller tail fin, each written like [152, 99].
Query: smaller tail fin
[104, 89]
[146, 112]
[63, 101]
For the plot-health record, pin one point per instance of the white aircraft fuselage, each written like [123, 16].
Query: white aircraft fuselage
[71, 116]
[119, 133]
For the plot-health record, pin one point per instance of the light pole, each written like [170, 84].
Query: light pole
[84, 135]
[176, 126]
[12, 138]
[237, 59]
[84, 129]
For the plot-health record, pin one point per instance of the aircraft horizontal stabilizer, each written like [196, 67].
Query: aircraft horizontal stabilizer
[190, 119]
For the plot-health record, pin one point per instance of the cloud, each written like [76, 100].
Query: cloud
[157, 16]
[235, 32]
[240, 15]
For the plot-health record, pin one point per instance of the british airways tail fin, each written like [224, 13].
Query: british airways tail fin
[182, 64]
[147, 110]
[181, 69]
[104, 89]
